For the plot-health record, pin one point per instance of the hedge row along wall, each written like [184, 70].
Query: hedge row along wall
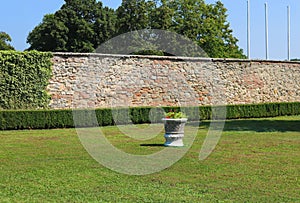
[47, 119]
[24, 77]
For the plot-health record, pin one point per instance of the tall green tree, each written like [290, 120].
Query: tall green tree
[134, 15]
[51, 35]
[144, 14]
[78, 26]
[83, 25]
[162, 15]
[4, 41]
[207, 25]
[216, 36]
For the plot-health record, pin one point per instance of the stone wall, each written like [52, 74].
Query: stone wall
[95, 80]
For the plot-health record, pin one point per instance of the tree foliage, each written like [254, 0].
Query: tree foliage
[133, 15]
[4, 41]
[216, 37]
[205, 24]
[81, 26]
[51, 35]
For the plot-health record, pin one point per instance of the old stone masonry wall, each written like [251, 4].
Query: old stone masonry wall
[95, 81]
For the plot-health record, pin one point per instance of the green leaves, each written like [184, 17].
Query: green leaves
[79, 26]
[4, 41]
[82, 26]
[175, 115]
[134, 15]
[24, 77]
[205, 24]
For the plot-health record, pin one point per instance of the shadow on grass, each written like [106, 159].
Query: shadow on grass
[258, 125]
[152, 145]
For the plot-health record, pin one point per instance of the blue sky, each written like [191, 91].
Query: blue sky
[18, 18]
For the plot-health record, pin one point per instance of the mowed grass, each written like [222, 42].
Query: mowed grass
[256, 160]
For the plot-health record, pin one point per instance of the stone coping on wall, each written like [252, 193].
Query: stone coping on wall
[172, 58]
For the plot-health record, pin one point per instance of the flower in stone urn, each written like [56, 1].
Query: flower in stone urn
[174, 123]
[175, 115]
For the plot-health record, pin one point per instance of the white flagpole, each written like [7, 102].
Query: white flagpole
[288, 32]
[267, 31]
[248, 29]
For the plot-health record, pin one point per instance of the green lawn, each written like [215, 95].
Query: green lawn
[256, 160]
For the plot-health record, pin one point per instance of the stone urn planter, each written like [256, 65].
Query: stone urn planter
[174, 131]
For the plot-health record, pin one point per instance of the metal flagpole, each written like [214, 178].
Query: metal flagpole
[267, 31]
[288, 32]
[248, 29]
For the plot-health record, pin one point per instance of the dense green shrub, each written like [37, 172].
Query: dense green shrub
[24, 77]
[262, 110]
[45, 119]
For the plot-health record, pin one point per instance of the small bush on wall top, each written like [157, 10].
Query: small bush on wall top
[24, 77]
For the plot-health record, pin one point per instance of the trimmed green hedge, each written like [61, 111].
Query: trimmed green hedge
[24, 77]
[46, 119]
[263, 110]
